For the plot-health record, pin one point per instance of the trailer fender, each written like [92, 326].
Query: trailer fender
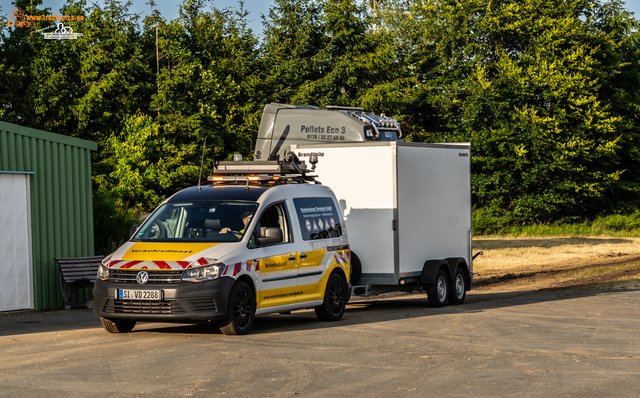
[430, 271]
[459, 262]
[356, 268]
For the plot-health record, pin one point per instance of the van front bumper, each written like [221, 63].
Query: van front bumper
[181, 302]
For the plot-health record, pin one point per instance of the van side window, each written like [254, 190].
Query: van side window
[318, 218]
[273, 227]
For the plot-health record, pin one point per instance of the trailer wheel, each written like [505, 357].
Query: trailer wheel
[335, 299]
[117, 326]
[438, 292]
[240, 312]
[458, 290]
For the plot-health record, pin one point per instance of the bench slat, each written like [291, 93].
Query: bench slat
[80, 275]
[79, 260]
[72, 259]
[76, 281]
[83, 268]
[92, 275]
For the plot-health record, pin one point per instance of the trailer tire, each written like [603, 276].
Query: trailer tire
[117, 326]
[335, 299]
[356, 268]
[241, 311]
[458, 290]
[438, 292]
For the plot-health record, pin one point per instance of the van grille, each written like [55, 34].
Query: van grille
[204, 304]
[155, 276]
[143, 307]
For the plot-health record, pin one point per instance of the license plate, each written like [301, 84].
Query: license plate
[129, 294]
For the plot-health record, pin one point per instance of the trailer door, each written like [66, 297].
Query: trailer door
[434, 204]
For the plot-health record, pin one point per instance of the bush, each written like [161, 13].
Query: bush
[112, 223]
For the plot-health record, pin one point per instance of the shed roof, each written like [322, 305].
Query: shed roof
[45, 135]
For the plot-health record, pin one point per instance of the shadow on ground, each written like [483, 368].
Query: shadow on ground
[359, 311]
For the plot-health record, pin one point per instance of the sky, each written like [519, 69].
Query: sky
[169, 9]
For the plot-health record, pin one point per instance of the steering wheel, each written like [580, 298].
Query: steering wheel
[157, 230]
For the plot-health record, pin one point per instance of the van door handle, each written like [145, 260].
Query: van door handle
[303, 255]
[292, 257]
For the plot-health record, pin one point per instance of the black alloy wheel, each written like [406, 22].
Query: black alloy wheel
[240, 312]
[335, 299]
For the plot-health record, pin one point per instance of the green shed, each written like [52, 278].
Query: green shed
[46, 211]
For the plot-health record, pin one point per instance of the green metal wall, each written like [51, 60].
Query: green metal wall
[61, 202]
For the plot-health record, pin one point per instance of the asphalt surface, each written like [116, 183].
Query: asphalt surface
[545, 344]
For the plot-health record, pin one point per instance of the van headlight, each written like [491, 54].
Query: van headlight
[103, 273]
[201, 274]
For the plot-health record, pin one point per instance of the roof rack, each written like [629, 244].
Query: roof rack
[288, 171]
[343, 108]
[375, 124]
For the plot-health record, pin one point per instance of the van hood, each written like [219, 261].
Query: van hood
[163, 255]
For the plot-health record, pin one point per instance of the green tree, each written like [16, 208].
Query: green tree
[228, 55]
[353, 61]
[38, 75]
[522, 81]
[293, 37]
[115, 77]
[204, 69]
[145, 165]
[622, 91]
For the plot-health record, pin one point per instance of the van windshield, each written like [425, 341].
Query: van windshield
[197, 221]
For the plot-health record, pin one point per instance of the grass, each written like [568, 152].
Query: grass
[531, 263]
[616, 225]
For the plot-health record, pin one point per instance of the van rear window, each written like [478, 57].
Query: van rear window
[318, 218]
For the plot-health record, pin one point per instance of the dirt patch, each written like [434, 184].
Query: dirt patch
[558, 262]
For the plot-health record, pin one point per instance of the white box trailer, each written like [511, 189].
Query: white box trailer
[407, 207]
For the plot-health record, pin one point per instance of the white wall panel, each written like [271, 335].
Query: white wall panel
[15, 248]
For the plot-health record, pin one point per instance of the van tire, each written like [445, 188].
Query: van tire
[241, 311]
[335, 299]
[117, 326]
[458, 290]
[438, 292]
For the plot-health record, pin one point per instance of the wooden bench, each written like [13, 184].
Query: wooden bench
[77, 273]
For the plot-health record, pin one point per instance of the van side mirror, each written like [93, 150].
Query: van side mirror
[133, 230]
[271, 235]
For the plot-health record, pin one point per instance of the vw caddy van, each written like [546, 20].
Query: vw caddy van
[243, 246]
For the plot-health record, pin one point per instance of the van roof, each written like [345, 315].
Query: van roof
[208, 192]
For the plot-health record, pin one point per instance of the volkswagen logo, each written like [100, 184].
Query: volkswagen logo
[142, 277]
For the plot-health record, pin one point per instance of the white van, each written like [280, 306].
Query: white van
[243, 246]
